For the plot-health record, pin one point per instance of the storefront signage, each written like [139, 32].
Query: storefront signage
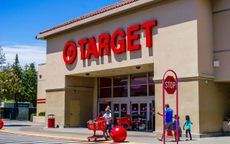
[170, 85]
[118, 42]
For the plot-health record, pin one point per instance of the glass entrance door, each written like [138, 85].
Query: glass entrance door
[140, 116]
[124, 110]
[143, 116]
[116, 113]
[119, 110]
[151, 123]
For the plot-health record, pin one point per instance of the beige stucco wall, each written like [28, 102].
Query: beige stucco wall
[179, 36]
[175, 33]
[79, 89]
[220, 5]
[221, 30]
[41, 87]
[214, 103]
[188, 103]
[42, 71]
[55, 104]
[41, 108]
[85, 98]
[205, 38]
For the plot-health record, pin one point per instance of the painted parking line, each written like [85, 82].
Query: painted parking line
[43, 135]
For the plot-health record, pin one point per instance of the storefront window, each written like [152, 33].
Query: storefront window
[102, 107]
[151, 84]
[105, 85]
[138, 84]
[120, 86]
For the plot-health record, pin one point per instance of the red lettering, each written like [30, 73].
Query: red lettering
[121, 42]
[82, 44]
[69, 52]
[92, 48]
[132, 37]
[148, 32]
[104, 43]
[116, 41]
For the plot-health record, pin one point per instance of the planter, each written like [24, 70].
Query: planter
[39, 119]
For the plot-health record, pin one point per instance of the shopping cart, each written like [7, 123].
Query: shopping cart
[98, 125]
[124, 121]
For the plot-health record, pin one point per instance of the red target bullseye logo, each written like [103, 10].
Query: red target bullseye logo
[69, 52]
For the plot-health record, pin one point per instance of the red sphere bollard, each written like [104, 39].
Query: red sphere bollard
[1, 123]
[118, 134]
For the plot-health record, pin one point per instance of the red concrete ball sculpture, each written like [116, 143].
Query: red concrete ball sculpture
[118, 134]
[1, 123]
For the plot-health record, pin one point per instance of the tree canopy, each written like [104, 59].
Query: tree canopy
[17, 83]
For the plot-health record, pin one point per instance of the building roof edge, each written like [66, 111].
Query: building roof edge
[93, 16]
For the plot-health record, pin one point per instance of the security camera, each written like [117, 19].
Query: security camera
[138, 67]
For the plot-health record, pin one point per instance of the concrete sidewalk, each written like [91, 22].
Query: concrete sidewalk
[28, 128]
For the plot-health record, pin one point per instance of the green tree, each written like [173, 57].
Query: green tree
[10, 86]
[18, 90]
[2, 58]
[4, 78]
[18, 84]
[17, 69]
[30, 83]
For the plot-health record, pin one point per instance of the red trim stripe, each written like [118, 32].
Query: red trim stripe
[42, 99]
[41, 102]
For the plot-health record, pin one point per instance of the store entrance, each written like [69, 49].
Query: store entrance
[141, 113]
[129, 96]
[142, 116]
[119, 110]
[139, 116]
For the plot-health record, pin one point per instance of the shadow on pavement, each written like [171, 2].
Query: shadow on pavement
[15, 125]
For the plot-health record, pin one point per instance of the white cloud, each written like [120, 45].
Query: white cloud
[26, 54]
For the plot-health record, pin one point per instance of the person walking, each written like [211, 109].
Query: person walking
[187, 127]
[168, 118]
[179, 128]
[108, 117]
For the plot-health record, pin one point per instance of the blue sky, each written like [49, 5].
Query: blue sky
[22, 20]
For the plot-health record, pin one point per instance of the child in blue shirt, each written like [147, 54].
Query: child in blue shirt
[179, 127]
[187, 127]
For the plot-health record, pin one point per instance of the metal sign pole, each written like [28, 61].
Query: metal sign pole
[163, 104]
[177, 102]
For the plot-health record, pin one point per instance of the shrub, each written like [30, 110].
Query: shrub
[41, 114]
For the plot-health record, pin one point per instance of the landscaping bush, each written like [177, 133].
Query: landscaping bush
[41, 114]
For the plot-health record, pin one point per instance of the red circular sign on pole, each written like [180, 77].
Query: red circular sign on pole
[69, 52]
[170, 84]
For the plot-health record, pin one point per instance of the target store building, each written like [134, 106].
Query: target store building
[117, 56]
